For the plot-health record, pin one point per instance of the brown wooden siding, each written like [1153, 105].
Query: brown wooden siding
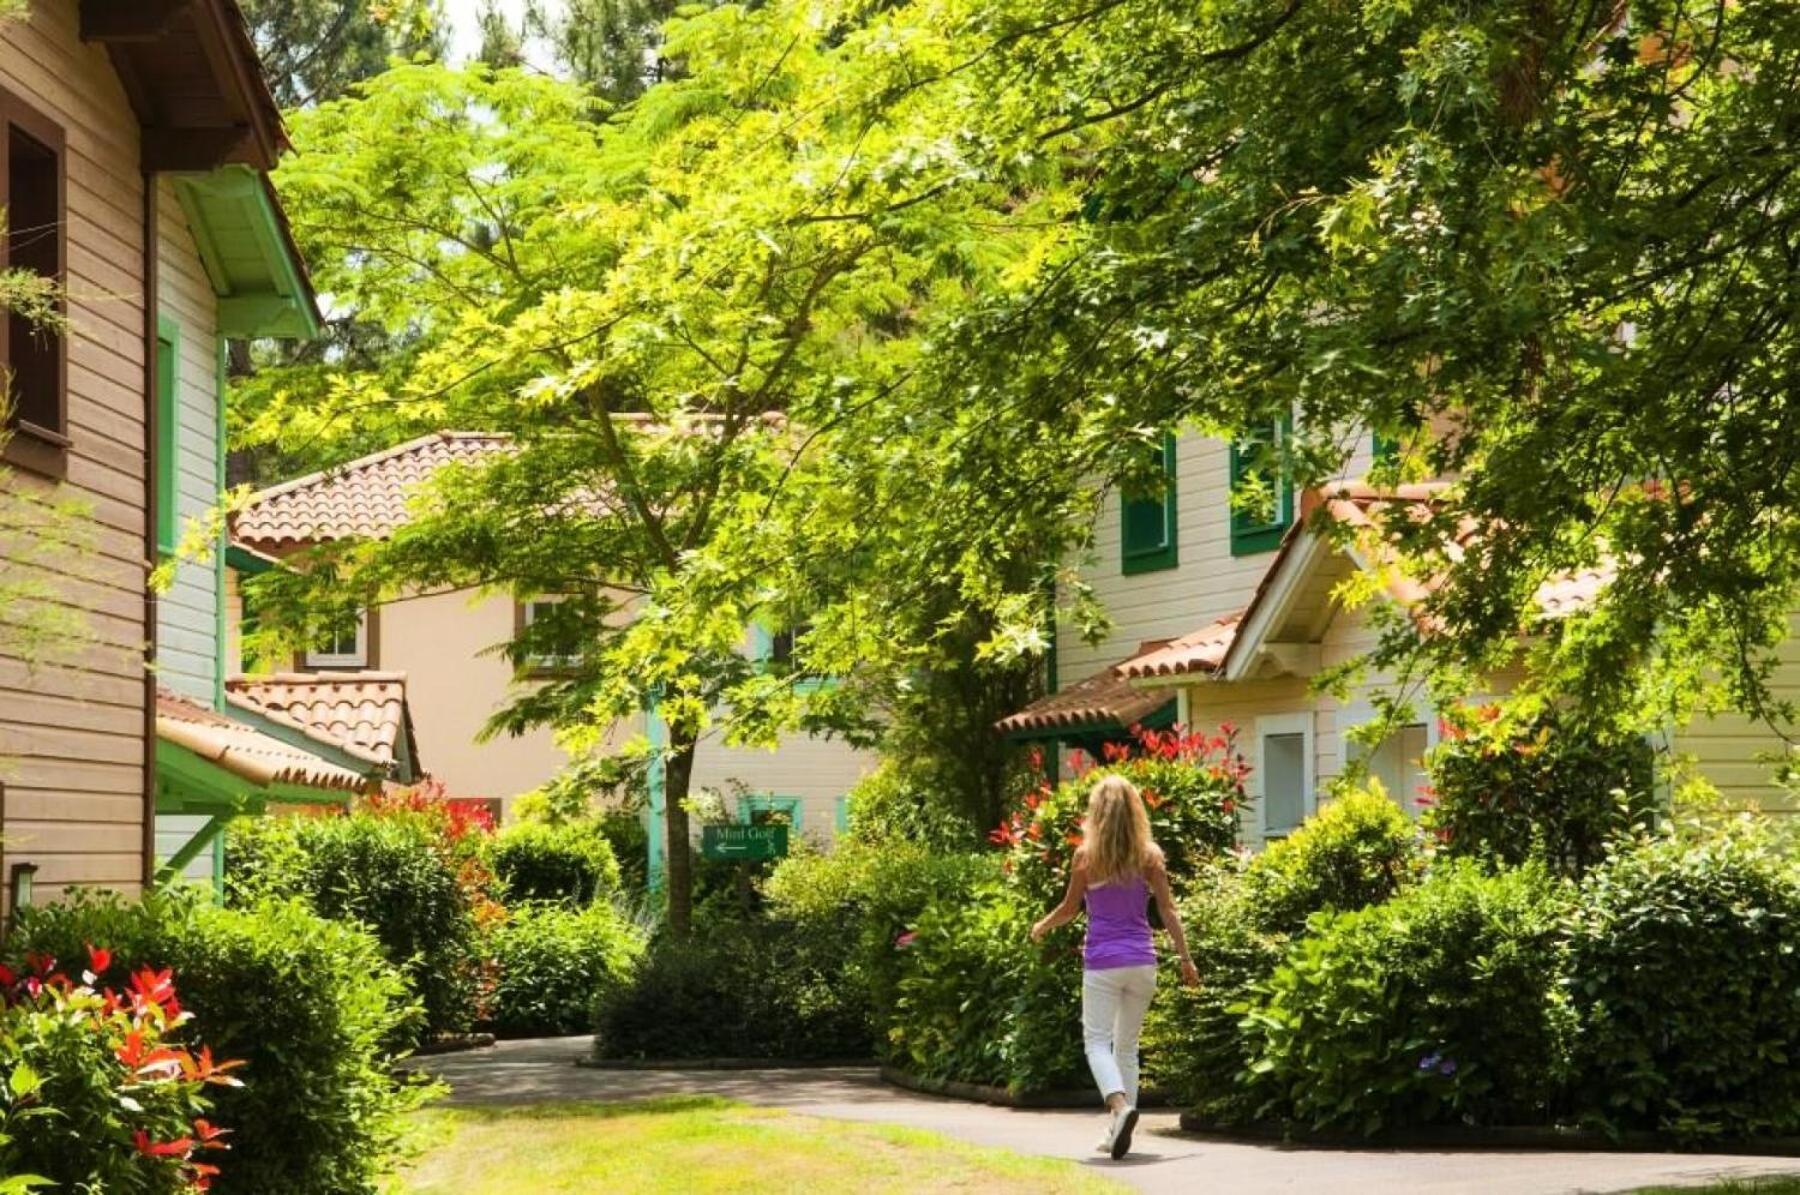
[72, 736]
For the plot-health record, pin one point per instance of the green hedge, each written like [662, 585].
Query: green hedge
[572, 863]
[552, 963]
[1434, 1007]
[1683, 968]
[308, 1004]
[396, 873]
[738, 989]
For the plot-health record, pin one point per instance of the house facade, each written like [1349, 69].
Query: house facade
[1225, 616]
[445, 644]
[135, 143]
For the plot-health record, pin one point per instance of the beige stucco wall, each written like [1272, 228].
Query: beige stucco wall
[444, 644]
[72, 739]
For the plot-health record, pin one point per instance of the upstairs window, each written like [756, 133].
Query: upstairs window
[1262, 497]
[1147, 522]
[555, 646]
[31, 194]
[344, 646]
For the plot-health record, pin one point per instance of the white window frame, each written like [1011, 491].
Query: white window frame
[1361, 712]
[527, 615]
[1303, 725]
[356, 659]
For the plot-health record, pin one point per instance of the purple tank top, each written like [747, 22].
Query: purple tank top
[1118, 931]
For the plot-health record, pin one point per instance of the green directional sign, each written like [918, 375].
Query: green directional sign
[744, 842]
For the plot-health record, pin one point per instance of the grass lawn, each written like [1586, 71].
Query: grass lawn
[693, 1145]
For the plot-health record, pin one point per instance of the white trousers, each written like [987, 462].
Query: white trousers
[1113, 1004]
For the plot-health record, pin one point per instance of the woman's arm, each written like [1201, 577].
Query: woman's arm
[1171, 919]
[1065, 912]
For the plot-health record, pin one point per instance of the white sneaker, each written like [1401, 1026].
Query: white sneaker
[1118, 1135]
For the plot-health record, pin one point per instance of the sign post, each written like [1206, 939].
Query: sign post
[744, 844]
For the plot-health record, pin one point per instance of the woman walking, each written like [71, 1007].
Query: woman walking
[1116, 870]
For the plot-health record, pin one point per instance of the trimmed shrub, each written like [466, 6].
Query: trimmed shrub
[872, 895]
[552, 963]
[400, 874]
[1683, 966]
[891, 806]
[307, 1004]
[1437, 1006]
[573, 864]
[1358, 850]
[1194, 1047]
[1551, 787]
[749, 989]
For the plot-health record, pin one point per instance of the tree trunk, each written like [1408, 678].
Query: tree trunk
[680, 870]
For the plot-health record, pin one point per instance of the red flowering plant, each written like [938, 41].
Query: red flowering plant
[98, 1089]
[1193, 788]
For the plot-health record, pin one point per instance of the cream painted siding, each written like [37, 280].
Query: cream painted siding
[444, 643]
[72, 737]
[187, 631]
[819, 771]
[1207, 582]
[1737, 754]
[1240, 705]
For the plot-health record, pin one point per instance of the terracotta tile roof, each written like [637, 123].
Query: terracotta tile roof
[1574, 591]
[362, 714]
[244, 751]
[1104, 699]
[1202, 651]
[367, 498]
[361, 499]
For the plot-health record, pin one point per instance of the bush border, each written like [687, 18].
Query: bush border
[1522, 1137]
[1005, 1097]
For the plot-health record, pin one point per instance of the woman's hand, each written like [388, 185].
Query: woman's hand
[1190, 974]
[1040, 929]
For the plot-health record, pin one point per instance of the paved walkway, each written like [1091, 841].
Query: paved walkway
[536, 1071]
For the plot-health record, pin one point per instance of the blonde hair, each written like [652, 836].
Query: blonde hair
[1116, 833]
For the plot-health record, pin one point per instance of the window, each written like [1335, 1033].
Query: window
[1398, 762]
[1262, 499]
[168, 424]
[842, 821]
[346, 646]
[1147, 522]
[781, 648]
[31, 194]
[762, 809]
[555, 645]
[1284, 750]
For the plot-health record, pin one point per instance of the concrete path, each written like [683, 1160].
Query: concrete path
[525, 1072]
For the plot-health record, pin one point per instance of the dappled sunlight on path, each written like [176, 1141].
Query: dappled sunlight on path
[1165, 1161]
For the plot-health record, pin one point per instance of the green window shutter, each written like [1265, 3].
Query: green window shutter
[1387, 449]
[762, 809]
[168, 426]
[1147, 524]
[1256, 530]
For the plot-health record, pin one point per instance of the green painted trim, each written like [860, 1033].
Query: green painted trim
[842, 815]
[221, 631]
[1160, 556]
[751, 804]
[277, 302]
[168, 433]
[187, 783]
[1050, 664]
[190, 850]
[245, 561]
[218, 867]
[1251, 539]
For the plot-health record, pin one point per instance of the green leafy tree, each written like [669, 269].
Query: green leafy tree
[316, 50]
[661, 315]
